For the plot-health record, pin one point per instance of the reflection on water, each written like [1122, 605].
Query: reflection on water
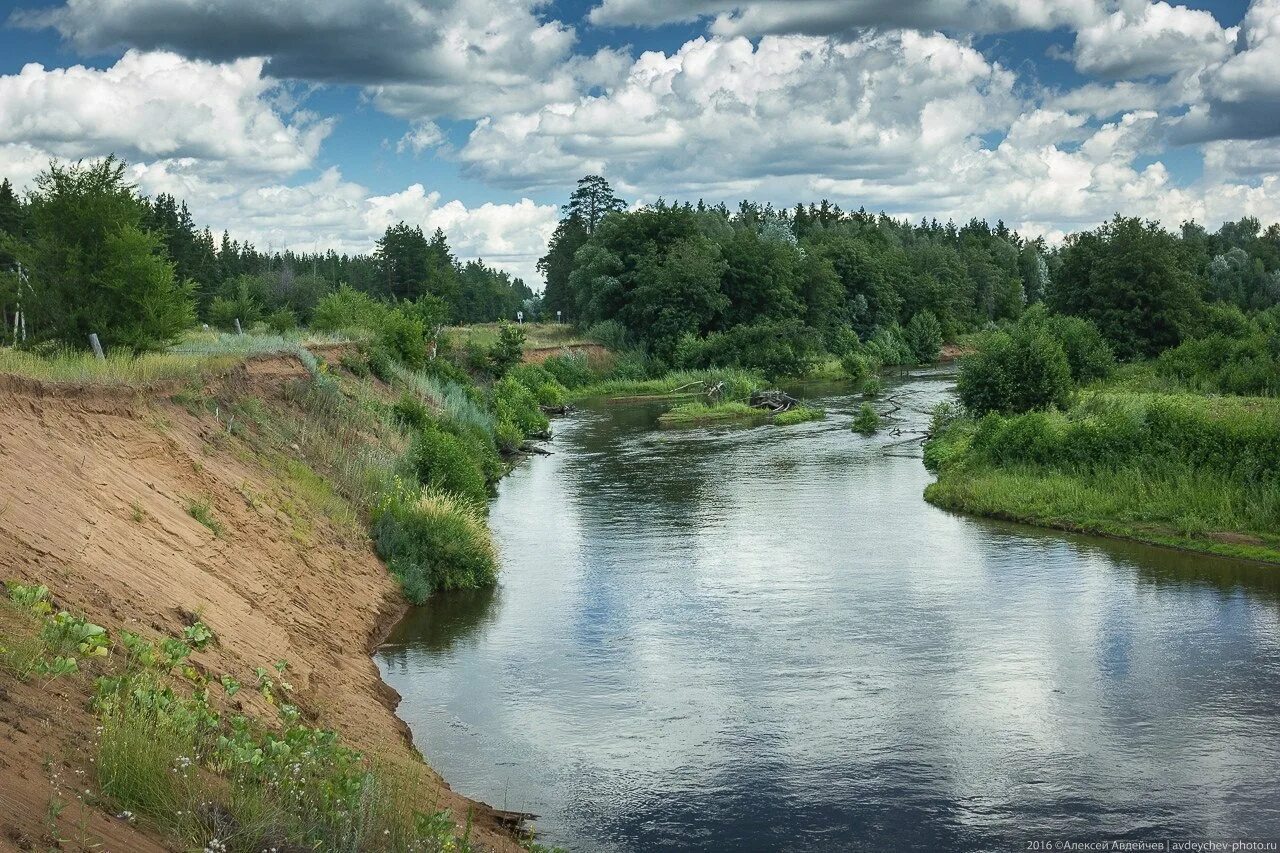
[764, 639]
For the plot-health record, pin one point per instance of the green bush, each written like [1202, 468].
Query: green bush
[1017, 371]
[539, 380]
[282, 320]
[888, 345]
[774, 348]
[857, 366]
[443, 462]
[434, 542]
[866, 421]
[347, 308]
[923, 336]
[1088, 354]
[609, 334]
[517, 412]
[1248, 366]
[507, 351]
[237, 304]
[410, 412]
[572, 369]
[402, 334]
[799, 415]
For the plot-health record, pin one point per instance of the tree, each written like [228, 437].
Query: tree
[404, 260]
[924, 336]
[1133, 280]
[592, 201]
[1018, 371]
[11, 215]
[94, 268]
[557, 264]
[678, 293]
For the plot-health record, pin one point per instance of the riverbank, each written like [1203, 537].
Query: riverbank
[195, 496]
[1174, 469]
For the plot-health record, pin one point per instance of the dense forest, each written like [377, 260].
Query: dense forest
[92, 249]
[767, 288]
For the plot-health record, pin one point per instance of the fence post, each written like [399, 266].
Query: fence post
[239, 331]
[97, 345]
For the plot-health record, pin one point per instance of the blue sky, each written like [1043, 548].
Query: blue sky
[318, 123]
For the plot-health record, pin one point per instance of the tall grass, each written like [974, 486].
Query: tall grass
[452, 400]
[76, 367]
[738, 384]
[1199, 472]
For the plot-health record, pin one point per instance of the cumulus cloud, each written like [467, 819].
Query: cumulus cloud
[831, 17]
[1242, 92]
[1151, 39]
[159, 105]
[725, 110]
[469, 56]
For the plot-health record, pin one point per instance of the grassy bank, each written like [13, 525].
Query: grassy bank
[174, 754]
[1177, 469]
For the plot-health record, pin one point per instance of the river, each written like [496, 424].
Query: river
[764, 639]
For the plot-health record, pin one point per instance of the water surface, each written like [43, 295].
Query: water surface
[763, 639]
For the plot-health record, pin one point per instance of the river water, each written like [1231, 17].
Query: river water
[764, 639]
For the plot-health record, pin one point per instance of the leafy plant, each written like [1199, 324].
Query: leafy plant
[867, 421]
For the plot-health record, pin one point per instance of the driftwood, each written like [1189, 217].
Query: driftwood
[562, 409]
[773, 401]
[534, 449]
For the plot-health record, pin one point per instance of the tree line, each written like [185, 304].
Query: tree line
[84, 252]
[696, 284]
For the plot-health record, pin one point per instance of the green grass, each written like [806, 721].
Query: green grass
[677, 383]
[75, 367]
[701, 414]
[1201, 473]
[201, 509]
[799, 415]
[434, 540]
[537, 335]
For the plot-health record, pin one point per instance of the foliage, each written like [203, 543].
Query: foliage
[201, 509]
[1016, 371]
[773, 348]
[798, 415]
[867, 421]
[701, 414]
[282, 321]
[433, 541]
[572, 369]
[1248, 364]
[924, 337]
[517, 412]
[545, 387]
[507, 351]
[1134, 280]
[346, 309]
[94, 266]
[1089, 356]
[441, 462]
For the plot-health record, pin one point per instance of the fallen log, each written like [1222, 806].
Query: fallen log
[562, 409]
[773, 401]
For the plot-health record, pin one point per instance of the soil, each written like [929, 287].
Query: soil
[95, 486]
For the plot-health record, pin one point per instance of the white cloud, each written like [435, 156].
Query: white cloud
[725, 111]
[1151, 39]
[423, 136]
[463, 57]
[159, 105]
[829, 17]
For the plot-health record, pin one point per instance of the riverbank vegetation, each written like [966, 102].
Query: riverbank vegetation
[175, 752]
[1142, 404]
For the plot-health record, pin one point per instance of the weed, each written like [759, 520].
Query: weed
[799, 415]
[867, 421]
[201, 509]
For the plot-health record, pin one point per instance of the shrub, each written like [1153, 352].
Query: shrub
[1246, 366]
[572, 370]
[541, 382]
[516, 406]
[410, 412]
[442, 462]
[347, 308]
[872, 386]
[402, 334]
[507, 351]
[774, 348]
[866, 421]
[1088, 354]
[282, 320]
[609, 334]
[434, 542]
[1017, 371]
[856, 366]
[924, 337]
[225, 310]
[888, 346]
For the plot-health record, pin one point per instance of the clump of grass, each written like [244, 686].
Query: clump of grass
[867, 421]
[736, 384]
[433, 541]
[799, 415]
[872, 386]
[75, 367]
[700, 414]
[137, 513]
[201, 509]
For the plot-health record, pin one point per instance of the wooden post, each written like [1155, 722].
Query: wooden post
[239, 331]
[97, 345]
